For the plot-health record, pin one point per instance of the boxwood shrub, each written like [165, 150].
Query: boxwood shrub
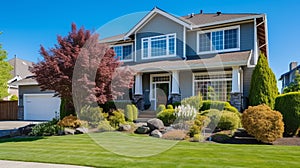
[220, 105]
[289, 106]
[167, 116]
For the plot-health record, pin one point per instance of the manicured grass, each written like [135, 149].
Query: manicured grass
[84, 150]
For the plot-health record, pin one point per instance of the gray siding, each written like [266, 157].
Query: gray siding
[247, 36]
[159, 25]
[186, 83]
[247, 74]
[246, 39]
[30, 89]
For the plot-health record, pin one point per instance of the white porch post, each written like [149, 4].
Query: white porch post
[175, 82]
[236, 79]
[138, 86]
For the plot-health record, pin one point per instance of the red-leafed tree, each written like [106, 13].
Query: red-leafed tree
[82, 70]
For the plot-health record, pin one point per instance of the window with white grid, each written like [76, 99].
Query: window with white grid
[124, 52]
[160, 78]
[213, 87]
[159, 46]
[218, 40]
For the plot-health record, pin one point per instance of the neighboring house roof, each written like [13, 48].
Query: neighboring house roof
[21, 67]
[112, 38]
[289, 72]
[208, 61]
[26, 81]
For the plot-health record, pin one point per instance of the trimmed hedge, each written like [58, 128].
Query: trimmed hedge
[263, 123]
[160, 108]
[219, 105]
[289, 106]
[129, 113]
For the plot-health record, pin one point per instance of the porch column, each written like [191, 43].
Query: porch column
[175, 93]
[236, 99]
[175, 82]
[138, 86]
[236, 79]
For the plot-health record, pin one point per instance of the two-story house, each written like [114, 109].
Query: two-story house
[177, 57]
[289, 76]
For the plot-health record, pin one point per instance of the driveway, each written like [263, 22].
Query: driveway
[12, 125]
[17, 164]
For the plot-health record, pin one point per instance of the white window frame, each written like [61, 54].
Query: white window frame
[211, 45]
[125, 44]
[210, 73]
[167, 47]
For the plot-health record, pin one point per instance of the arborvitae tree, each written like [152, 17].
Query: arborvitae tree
[263, 88]
[295, 85]
[81, 69]
[5, 75]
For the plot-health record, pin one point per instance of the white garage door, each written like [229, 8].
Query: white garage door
[40, 106]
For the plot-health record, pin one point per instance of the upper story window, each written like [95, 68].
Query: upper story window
[159, 46]
[218, 40]
[124, 52]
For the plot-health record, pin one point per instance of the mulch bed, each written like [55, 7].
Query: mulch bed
[293, 141]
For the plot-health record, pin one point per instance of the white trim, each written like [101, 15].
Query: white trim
[211, 45]
[125, 44]
[184, 42]
[134, 47]
[149, 40]
[138, 84]
[152, 89]
[242, 80]
[255, 53]
[228, 21]
[266, 36]
[236, 79]
[175, 82]
[148, 17]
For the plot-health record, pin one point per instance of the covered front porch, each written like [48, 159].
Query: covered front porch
[168, 82]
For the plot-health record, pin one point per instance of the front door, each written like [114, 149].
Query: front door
[160, 89]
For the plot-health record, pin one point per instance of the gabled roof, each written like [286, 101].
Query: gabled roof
[289, 72]
[152, 13]
[29, 80]
[207, 19]
[20, 67]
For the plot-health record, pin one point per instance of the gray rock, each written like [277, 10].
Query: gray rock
[125, 127]
[69, 131]
[156, 133]
[142, 130]
[155, 123]
[81, 130]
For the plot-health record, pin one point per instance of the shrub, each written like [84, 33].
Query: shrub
[93, 115]
[13, 98]
[229, 121]
[197, 138]
[116, 118]
[263, 123]
[219, 105]
[46, 129]
[167, 116]
[185, 112]
[175, 135]
[170, 106]
[160, 108]
[263, 89]
[198, 124]
[70, 121]
[129, 113]
[224, 120]
[135, 112]
[104, 126]
[194, 101]
[289, 106]
[175, 104]
[65, 109]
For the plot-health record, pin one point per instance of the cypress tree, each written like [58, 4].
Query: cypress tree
[263, 88]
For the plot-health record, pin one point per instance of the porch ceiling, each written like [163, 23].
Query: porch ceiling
[202, 62]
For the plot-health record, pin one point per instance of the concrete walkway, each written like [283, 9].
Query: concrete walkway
[10, 125]
[17, 164]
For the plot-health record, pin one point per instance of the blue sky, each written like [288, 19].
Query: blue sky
[27, 24]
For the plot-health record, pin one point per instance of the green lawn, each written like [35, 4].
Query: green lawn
[84, 150]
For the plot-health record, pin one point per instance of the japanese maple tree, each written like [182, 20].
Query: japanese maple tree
[82, 70]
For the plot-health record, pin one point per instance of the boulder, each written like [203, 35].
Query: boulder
[81, 130]
[156, 133]
[69, 131]
[142, 130]
[155, 123]
[124, 127]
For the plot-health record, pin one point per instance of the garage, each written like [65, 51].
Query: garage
[41, 106]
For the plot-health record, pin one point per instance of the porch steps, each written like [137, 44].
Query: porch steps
[144, 116]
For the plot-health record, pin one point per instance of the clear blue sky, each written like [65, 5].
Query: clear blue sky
[27, 24]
